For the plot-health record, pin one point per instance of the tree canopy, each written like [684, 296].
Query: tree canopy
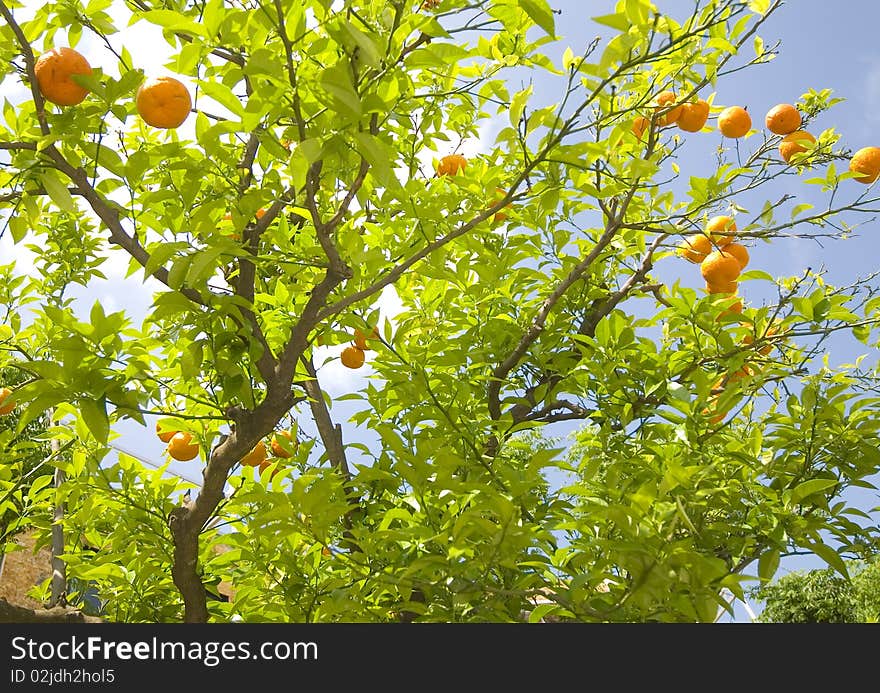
[334, 157]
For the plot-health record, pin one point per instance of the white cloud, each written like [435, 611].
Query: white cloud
[872, 94]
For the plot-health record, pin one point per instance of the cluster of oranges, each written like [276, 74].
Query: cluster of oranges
[688, 116]
[784, 119]
[183, 448]
[162, 102]
[721, 259]
[734, 122]
[354, 355]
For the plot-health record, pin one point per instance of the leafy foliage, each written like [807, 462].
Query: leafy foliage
[302, 193]
[823, 596]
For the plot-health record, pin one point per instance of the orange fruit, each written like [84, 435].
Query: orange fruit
[734, 122]
[360, 339]
[733, 307]
[256, 456]
[352, 357]
[665, 99]
[693, 116]
[719, 268]
[695, 248]
[745, 372]
[431, 4]
[163, 102]
[722, 288]
[640, 124]
[164, 435]
[7, 402]
[500, 215]
[795, 143]
[782, 119]
[765, 349]
[278, 449]
[715, 415]
[182, 448]
[721, 229]
[265, 464]
[54, 70]
[866, 162]
[451, 164]
[739, 252]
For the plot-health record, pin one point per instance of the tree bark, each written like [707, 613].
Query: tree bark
[12, 613]
[59, 568]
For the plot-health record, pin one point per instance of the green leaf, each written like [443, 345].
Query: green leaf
[222, 95]
[768, 564]
[336, 81]
[377, 155]
[518, 104]
[159, 254]
[203, 265]
[540, 611]
[94, 415]
[368, 51]
[759, 46]
[58, 192]
[800, 209]
[830, 556]
[615, 21]
[759, 6]
[808, 488]
[174, 20]
[541, 14]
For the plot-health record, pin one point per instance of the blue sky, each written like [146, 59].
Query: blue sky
[823, 45]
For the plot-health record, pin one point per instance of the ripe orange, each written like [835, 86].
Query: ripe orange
[866, 162]
[352, 357]
[451, 164]
[733, 307]
[782, 119]
[278, 448]
[265, 464]
[182, 448]
[767, 348]
[164, 435]
[665, 99]
[795, 143]
[640, 124]
[360, 339]
[715, 415]
[500, 215]
[739, 252]
[163, 102]
[745, 372]
[722, 288]
[54, 69]
[693, 116]
[734, 122]
[695, 248]
[256, 456]
[7, 402]
[719, 268]
[721, 229]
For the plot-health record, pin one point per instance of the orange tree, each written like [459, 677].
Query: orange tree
[323, 164]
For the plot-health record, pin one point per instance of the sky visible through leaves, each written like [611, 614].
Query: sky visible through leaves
[822, 45]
